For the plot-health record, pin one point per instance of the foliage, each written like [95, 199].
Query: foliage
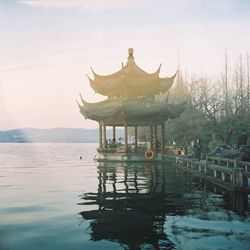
[218, 110]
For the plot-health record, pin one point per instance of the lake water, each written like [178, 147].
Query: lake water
[50, 199]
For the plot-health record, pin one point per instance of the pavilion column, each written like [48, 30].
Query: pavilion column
[163, 136]
[114, 136]
[151, 136]
[155, 127]
[136, 140]
[100, 135]
[104, 136]
[126, 135]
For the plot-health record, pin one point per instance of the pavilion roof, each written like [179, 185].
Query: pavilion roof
[142, 111]
[131, 81]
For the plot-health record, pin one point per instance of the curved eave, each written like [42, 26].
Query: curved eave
[129, 68]
[137, 86]
[166, 83]
[134, 111]
[100, 109]
[175, 110]
[130, 76]
[106, 77]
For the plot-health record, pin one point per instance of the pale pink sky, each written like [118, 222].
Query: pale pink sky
[47, 47]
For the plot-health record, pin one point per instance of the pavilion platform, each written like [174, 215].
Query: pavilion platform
[120, 154]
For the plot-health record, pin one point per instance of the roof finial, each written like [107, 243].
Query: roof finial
[130, 54]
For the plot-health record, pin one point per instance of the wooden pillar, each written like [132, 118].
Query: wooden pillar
[223, 177]
[163, 136]
[215, 174]
[199, 168]
[126, 135]
[104, 136]
[136, 139]
[155, 128]
[114, 136]
[100, 135]
[151, 136]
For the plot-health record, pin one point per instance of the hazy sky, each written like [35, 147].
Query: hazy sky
[47, 47]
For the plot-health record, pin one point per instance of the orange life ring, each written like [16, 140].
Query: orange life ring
[149, 154]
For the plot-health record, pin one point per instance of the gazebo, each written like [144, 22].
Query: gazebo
[131, 102]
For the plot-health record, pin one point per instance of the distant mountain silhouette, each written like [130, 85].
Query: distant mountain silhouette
[56, 135]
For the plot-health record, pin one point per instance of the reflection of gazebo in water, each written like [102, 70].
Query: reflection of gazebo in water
[130, 206]
[131, 102]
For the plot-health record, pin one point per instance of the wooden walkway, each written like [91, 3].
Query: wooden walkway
[227, 173]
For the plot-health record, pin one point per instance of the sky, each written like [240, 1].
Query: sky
[48, 46]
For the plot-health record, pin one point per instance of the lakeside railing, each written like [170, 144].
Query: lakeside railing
[229, 173]
[122, 149]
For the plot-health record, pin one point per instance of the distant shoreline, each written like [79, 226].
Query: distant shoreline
[47, 142]
[54, 135]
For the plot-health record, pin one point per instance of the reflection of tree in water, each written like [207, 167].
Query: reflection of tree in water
[132, 203]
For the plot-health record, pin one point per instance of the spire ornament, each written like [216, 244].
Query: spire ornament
[130, 54]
